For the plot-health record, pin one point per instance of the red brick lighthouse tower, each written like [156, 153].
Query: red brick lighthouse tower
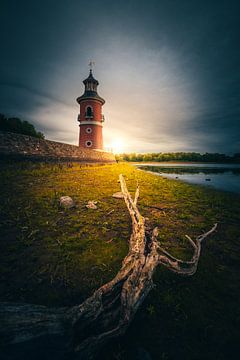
[90, 117]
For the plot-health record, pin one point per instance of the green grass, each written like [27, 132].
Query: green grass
[56, 257]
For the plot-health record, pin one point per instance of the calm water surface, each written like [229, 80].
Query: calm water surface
[220, 176]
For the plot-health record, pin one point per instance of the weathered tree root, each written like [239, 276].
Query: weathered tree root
[85, 328]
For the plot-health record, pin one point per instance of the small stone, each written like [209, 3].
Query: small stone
[66, 202]
[91, 204]
[118, 195]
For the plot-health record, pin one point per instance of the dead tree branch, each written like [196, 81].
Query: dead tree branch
[108, 312]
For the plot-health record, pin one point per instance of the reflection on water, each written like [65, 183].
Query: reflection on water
[221, 176]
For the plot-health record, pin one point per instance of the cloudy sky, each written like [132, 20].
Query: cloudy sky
[169, 70]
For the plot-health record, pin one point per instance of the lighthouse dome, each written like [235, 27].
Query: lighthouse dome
[90, 79]
[90, 92]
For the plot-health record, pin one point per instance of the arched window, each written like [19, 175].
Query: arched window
[89, 111]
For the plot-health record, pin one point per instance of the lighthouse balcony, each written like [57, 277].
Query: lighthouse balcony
[89, 117]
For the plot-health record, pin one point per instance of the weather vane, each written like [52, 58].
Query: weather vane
[91, 64]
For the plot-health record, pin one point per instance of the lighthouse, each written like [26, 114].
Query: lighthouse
[91, 118]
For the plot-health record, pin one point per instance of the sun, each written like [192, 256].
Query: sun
[117, 146]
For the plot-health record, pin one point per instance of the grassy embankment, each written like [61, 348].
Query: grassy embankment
[59, 257]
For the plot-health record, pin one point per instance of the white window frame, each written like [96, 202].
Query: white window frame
[89, 141]
[88, 130]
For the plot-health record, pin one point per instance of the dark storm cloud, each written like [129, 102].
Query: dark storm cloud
[33, 92]
[169, 69]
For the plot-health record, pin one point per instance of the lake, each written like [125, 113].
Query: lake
[220, 176]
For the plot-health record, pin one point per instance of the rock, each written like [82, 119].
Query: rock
[91, 204]
[66, 202]
[118, 195]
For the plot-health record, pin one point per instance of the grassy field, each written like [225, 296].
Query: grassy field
[54, 256]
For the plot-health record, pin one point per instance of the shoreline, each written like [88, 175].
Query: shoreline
[162, 163]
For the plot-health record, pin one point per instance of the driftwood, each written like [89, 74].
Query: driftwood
[80, 331]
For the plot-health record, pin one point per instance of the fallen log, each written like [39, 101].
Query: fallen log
[80, 331]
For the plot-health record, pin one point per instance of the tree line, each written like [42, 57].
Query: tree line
[18, 126]
[180, 156]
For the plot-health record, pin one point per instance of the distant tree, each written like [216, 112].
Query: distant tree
[16, 125]
[182, 156]
[236, 157]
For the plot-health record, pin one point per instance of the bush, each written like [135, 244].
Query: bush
[16, 125]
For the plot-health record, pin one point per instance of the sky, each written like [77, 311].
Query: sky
[169, 70]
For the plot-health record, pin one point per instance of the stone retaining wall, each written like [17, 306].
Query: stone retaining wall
[23, 147]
